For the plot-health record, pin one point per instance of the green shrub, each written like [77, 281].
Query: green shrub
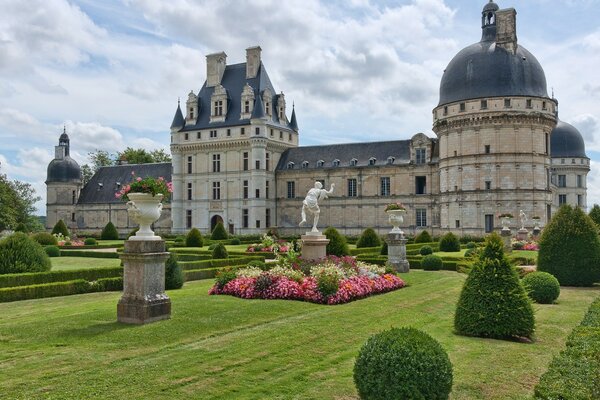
[38, 278]
[259, 264]
[21, 228]
[212, 246]
[52, 251]
[542, 287]
[368, 239]
[224, 276]
[471, 253]
[90, 242]
[193, 238]
[109, 232]
[219, 251]
[45, 239]
[235, 241]
[493, 303]
[173, 274]
[426, 250]
[423, 237]
[432, 263]
[22, 254]
[449, 243]
[61, 228]
[44, 290]
[384, 249]
[493, 249]
[87, 254]
[219, 233]
[337, 245]
[471, 245]
[570, 248]
[328, 284]
[402, 363]
[107, 285]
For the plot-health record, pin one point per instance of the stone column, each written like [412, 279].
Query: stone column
[506, 235]
[397, 252]
[144, 299]
[314, 246]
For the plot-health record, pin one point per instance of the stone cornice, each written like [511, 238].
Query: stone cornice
[488, 119]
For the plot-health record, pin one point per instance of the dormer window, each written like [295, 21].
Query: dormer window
[247, 102]
[390, 160]
[267, 98]
[336, 163]
[354, 162]
[246, 107]
[372, 161]
[218, 110]
[320, 163]
[219, 104]
[305, 164]
[281, 108]
[290, 165]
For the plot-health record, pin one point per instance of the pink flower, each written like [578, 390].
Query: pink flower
[160, 178]
[133, 173]
[139, 179]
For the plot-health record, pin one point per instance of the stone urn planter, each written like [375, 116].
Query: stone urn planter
[396, 218]
[505, 221]
[144, 209]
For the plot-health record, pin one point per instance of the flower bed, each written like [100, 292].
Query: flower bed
[524, 245]
[331, 281]
[269, 244]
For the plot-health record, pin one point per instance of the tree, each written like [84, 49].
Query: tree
[160, 156]
[595, 214]
[17, 204]
[135, 156]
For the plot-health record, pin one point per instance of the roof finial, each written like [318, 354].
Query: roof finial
[65, 128]
[178, 101]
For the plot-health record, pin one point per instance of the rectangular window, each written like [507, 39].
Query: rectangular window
[216, 191]
[257, 193]
[189, 191]
[290, 137]
[562, 199]
[291, 190]
[268, 217]
[529, 103]
[420, 184]
[216, 161]
[73, 197]
[245, 189]
[257, 131]
[457, 223]
[446, 110]
[213, 134]
[484, 104]
[73, 216]
[228, 132]
[280, 135]
[544, 105]
[547, 144]
[488, 149]
[242, 131]
[187, 136]
[580, 200]
[189, 164]
[385, 186]
[579, 181]
[506, 103]
[562, 181]
[420, 155]
[245, 161]
[463, 107]
[421, 217]
[271, 132]
[219, 107]
[246, 106]
[198, 135]
[256, 164]
[258, 223]
[488, 185]
[268, 161]
[489, 223]
[267, 189]
[245, 218]
[352, 188]
[188, 219]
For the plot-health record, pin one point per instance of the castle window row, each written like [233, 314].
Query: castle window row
[494, 104]
[214, 134]
[420, 158]
[384, 189]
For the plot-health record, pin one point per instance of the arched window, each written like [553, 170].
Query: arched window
[354, 162]
[290, 165]
[372, 161]
[320, 163]
[305, 164]
[390, 160]
[336, 163]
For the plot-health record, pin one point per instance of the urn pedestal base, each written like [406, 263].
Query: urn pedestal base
[522, 234]
[144, 299]
[314, 246]
[397, 252]
[506, 235]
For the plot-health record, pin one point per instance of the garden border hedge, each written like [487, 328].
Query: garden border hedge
[56, 289]
[88, 254]
[96, 246]
[37, 278]
[216, 263]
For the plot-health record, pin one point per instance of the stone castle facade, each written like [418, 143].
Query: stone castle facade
[499, 148]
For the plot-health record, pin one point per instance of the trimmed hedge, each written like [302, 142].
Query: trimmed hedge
[219, 251]
[431, 263]
[97, 246]
[423, 237]
[88, 254]
[212, 263]
[90, 241]
[109, 232]
[52, 251]
[542, 287]
[61, 228]
[365, 250]
[45, 290]
[337, 245]
[36, 278]
[19, 253]
[575, 372]
[368, 239]
[449, 243]
[208, 273]
[193, 238]
[219, 233]
[45, 239]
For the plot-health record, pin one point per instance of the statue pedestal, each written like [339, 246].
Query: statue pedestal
[506, 235]
[314, 246]
[397, 252]
[522, 234]
[144, 299]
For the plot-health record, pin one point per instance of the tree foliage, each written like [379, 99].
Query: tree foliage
[595, 214]
[17, 205]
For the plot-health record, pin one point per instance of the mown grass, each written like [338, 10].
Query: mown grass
[70, 263]
[220, 347]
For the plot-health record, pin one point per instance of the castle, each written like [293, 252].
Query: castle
[236, 159]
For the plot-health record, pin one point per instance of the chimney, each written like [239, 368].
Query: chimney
[252, 61]
[215, 67]
[506, 29]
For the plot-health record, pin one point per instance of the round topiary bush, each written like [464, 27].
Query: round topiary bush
[45, 239]
[368, 239]
[570, 248]
[212, 246]
[90, 242]
[471, 245]
[449, 243]
[193, 238]
[542, 287]
[432, 263]
[493, 303]
[425, 250]
[22, 254]
[337, 245]
[219, 251]
[423, 237]
[173, 274]
[52, 251]
[61, 228]
[235, 241]
[384, 249]
[402, 363]
[109, 232]
[219, 233]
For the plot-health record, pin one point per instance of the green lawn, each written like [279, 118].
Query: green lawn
[220, 347]
[67, 263]
[112, 242]
[458, 254]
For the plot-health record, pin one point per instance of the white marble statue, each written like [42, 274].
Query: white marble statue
[523, 218]
[311, 203]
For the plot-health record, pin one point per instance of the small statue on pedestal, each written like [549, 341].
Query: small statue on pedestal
[523, 219]
[311, 203]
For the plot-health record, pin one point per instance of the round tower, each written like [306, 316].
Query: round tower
[63, 184]
[493, 121]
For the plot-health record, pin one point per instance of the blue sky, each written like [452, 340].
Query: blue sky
[357, 70]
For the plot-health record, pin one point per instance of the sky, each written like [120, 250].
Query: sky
[111, 71]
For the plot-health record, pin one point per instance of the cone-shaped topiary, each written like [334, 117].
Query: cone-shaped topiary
[20, 254]
[402, 364]
[494, 248]
[570, 248]
[219, 251]
[219, 233]
[449, 243]
[45, 239]
[368, 239]
[61, 228]
[337, 245]
[493, 303]
[109, 232]
[173, 274]
[542, 287]
[193, 238]
[423, 237]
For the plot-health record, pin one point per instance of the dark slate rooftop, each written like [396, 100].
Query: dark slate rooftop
[234, 80]
[104, 184]
[345, 153]
[566, 141]
[65, 170]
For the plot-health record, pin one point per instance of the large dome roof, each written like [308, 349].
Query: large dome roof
[486, 70]
[65, 170]
[566, 141]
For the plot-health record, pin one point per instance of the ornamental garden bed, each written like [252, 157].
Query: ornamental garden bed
[334, 280]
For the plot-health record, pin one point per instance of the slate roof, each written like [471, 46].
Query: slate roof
[566, 141]
[362, 152]
[178, 120]
[103, 185]
[65, 170]
[234, 80]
